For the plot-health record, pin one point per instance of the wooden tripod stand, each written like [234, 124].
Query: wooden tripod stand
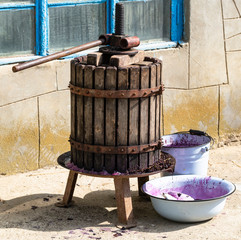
[122, 194]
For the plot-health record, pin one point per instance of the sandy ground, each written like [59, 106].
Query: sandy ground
[28, 211]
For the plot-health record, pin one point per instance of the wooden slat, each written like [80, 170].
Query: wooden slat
[161, 105]
[73, 111]
[110, 121]
[88, 116]
[144, 115]
[158, 97]
[134, 117]
[122, 119]
[152, 119]
[79, 114]
[99, 118]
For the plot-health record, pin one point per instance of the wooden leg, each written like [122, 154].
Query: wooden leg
[69, 189]
[141, 181]
[124, 202]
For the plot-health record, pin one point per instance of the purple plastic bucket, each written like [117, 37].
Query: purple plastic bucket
[191, 151]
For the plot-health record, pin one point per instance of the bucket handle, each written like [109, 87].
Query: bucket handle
[199, 133]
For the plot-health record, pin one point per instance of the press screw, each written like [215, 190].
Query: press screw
[119, 19]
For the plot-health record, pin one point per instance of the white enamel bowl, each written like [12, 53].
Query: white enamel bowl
[210, 194]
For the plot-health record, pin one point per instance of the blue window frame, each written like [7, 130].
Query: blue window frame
[42, 9]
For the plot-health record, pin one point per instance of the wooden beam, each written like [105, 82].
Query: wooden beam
[69, 190]
[141, 181]
[124, 202]
[124, 60]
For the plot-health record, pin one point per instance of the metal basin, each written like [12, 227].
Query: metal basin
[208, 196]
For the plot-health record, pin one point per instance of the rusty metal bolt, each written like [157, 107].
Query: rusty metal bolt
[109, 149]
[122, 149]
[87, 92]
[133, 150]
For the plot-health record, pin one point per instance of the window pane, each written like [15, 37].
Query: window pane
[61, 1]
[17, 1]
[75, 25]
[148, 20]
[17, 32]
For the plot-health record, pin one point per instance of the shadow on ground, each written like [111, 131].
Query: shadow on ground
[97, 209]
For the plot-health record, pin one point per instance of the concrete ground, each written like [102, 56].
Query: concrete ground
[27, 209]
